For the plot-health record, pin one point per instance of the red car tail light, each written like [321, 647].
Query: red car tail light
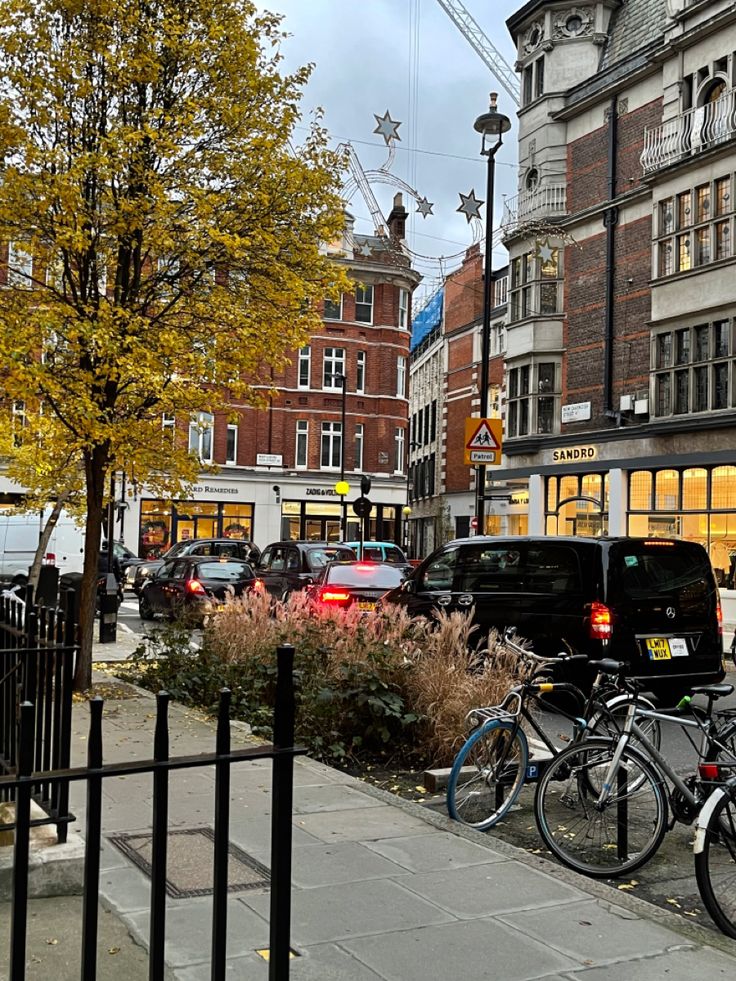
[195, 587]
[339, 597]
[601, 622]
[49, 559]
[258, 586]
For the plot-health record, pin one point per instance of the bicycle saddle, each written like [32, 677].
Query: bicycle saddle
[713, 691]
[607, 665]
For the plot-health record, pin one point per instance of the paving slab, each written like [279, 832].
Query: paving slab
[367, 824]
[324, 962]
[330, 797]
[342, 861]
[593, 932]
[484, 890]
[685, 964]
[472, 949]
[189, 930]
[332, 913]
[434, 852]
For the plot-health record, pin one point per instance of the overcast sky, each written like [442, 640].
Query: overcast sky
[408, 57]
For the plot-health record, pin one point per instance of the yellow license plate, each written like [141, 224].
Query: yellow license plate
[658, 649]
[364, 605]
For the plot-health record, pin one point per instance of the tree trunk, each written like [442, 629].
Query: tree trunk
[35, 570]
[96, 464]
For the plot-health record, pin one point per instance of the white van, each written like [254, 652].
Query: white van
[19, 535]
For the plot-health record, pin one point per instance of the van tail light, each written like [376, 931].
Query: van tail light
[719, 617]
[334, 597]
[601, 622]
[195, 587]
[709, 771]
[49, 559]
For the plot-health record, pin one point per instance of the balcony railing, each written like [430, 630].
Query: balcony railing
[689, 133]
[547, 201]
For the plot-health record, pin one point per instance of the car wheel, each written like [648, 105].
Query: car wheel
[145, 610]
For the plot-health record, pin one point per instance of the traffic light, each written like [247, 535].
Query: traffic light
[365, 485]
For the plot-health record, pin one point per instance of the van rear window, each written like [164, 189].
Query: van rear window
[639, 569]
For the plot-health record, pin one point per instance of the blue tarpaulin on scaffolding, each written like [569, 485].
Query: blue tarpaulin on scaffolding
[428, 318]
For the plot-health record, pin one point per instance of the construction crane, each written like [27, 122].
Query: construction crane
[471, 30]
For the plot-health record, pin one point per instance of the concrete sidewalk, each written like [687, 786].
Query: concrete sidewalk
[383, 888]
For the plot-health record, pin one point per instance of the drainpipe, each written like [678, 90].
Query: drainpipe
[610, 220]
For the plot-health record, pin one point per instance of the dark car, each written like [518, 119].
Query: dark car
[653, 603]
[235, 547]
[286, 567]
[361, 583]
[195, 585]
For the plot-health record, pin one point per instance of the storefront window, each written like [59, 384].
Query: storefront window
[723, 492]
[666, 493]
[695, 490]
[551, 493]
[162, 523]
[640, 491]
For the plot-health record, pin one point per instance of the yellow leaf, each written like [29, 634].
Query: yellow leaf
[114, 950]
[52, 941]
[421, 790]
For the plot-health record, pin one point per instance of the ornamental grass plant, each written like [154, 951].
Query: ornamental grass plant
[380, 683]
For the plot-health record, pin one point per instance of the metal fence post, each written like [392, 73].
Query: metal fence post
[19, 911]
[281, 816]
[92, 843]
[222, 838]
[159, 840]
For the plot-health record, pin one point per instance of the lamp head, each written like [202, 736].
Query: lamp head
[492, 123]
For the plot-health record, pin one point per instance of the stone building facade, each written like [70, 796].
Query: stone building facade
[621, 356]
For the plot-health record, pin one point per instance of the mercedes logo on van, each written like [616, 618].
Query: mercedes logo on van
[670, 611]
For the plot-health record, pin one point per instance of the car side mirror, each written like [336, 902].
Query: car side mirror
[407, 586]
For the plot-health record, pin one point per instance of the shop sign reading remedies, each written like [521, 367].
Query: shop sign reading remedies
[483, 441]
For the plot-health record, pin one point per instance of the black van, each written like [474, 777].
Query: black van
[651, 602]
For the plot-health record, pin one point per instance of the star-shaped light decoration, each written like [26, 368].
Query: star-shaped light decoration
[470, 206]
[387, 127]
[545, 251]
[365, 249]
[424, 207]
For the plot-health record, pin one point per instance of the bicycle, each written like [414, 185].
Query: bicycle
[715, 852]
[602, 807]
[493, 764]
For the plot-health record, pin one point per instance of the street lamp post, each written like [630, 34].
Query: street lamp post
[342, 487]
[406, 510]
[491, 124]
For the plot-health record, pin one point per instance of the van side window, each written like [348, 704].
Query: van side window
[552, 569]
[439, 575]
[488, 569]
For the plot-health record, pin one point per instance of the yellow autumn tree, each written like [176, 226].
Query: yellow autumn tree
[164, 226]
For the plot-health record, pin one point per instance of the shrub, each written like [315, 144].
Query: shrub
[363, 683]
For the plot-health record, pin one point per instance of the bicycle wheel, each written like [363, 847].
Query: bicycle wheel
[715, 859]
[605, 840]
[487, 775]
[610, 723]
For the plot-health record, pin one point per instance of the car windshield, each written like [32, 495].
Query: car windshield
[365, 574]
[223, 571]
[646, 569]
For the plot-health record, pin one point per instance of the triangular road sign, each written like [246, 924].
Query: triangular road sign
[483, 438]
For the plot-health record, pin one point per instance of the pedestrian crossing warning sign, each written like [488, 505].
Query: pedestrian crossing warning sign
[482, 441]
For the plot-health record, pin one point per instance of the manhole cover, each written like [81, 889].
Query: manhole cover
[189, 862]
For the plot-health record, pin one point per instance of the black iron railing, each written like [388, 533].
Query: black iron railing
[282, 752]
[38, 648]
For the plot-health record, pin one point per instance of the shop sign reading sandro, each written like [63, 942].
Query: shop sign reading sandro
[574, 454]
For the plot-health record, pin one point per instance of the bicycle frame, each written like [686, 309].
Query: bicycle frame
[631, 728]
